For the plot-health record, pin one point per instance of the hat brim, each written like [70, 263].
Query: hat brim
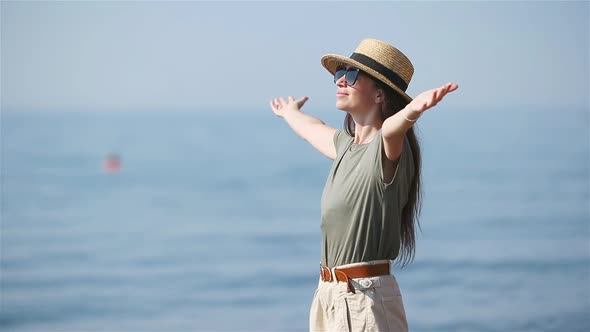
[332, 61]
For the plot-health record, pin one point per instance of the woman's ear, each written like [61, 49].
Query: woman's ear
[379, 96]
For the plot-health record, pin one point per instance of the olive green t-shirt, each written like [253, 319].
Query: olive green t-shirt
[360, 214]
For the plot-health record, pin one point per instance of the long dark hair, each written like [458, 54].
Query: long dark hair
[392, 104]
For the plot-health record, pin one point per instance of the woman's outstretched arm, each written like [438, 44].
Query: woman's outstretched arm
[311, 129]
[394, 128]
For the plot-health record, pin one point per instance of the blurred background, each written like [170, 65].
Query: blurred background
[147, 186]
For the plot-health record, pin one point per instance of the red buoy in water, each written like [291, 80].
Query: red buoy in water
[112, 163]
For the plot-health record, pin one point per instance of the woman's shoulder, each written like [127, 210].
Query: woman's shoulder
[341, 136]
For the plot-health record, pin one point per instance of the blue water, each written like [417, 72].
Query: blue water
[213, 222]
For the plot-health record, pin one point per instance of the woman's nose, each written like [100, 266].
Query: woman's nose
[341, 82]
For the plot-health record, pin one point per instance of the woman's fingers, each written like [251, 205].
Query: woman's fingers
[300, 102]
[275, 108]
[442, 91]
[280, 103]
[431, 98]
[451, 87]
[436, 95]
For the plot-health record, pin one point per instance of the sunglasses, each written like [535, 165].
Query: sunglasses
[351, 74]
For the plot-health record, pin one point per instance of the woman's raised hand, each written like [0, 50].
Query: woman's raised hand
[281, 105]
[430, 98]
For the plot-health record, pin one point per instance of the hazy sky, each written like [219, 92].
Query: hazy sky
[196, 55]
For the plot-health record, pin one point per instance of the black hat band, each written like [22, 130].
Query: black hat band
[381, 69]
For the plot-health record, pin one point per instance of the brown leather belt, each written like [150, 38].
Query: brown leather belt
[360, 271]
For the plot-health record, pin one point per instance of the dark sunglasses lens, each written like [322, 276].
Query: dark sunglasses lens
[338, 74]
[351, 76]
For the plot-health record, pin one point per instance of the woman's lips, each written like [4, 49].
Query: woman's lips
[341, 93]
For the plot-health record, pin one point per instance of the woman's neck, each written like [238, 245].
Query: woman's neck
[366, 126]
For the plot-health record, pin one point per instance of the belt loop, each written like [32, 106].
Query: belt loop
[349, 285]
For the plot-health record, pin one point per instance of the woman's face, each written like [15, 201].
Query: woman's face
[357, 97]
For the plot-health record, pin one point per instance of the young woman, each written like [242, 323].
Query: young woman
[371, 200]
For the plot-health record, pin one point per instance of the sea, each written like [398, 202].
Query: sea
[211, 221]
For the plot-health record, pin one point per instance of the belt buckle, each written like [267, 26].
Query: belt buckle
[366, 283]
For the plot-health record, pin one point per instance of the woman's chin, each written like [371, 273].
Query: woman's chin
[341, 106]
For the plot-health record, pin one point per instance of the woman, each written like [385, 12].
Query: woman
[370, 204]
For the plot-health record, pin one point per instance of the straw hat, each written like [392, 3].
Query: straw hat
[378, 59]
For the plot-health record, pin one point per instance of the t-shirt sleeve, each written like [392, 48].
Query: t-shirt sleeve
[341, 140]
[404, 169]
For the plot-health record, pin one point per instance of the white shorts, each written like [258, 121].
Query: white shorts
[376, 305]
